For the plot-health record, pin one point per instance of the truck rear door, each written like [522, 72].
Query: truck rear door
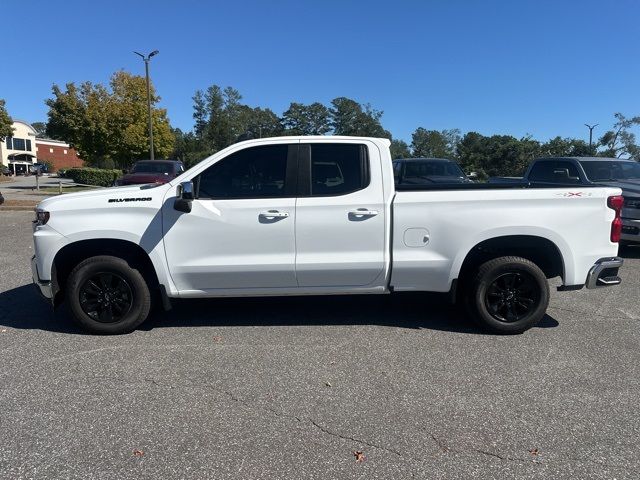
[340, 215]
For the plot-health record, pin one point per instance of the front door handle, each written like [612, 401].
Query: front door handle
[271, 214]
[363, 212]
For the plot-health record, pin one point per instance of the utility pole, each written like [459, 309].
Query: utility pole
[591, 127]
[146, 68]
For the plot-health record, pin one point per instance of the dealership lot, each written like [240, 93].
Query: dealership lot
[291, 388]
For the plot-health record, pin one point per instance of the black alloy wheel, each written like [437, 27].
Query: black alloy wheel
[106, 297]
[512, 296]
[508, 295]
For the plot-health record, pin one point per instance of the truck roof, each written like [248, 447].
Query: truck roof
[589, 159]
[422, 159]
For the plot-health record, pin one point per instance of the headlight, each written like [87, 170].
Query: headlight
[42, 217]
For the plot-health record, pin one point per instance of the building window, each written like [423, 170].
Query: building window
[28, 142]
[65, 152]
[51, 150]
[19, 144]
[9, 141]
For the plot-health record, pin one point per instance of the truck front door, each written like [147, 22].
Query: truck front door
[240, 231]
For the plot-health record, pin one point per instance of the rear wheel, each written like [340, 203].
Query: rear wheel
[108, 296]
[509, 295]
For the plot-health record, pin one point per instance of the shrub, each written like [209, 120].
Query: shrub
[93, 176]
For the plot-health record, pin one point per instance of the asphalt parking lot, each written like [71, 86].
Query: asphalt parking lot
[291, 388]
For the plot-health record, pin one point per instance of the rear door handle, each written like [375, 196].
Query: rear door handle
[274, 214]
[363, 212]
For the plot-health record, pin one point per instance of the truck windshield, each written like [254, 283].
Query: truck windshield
[152, 167]
[611, 170]
[433, 169]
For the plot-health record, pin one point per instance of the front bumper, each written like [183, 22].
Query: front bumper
[44, 286]
[604, 273]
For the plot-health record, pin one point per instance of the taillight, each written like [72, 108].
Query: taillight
[616, 202]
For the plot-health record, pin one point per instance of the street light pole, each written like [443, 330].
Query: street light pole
[146, 69]
[591, 127]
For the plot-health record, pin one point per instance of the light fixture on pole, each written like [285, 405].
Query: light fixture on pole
[146, 68]
[591, 127]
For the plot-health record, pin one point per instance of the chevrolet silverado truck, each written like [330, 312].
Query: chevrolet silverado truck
[320, 216]
[609, 172]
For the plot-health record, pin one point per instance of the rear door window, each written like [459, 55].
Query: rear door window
[554, 171]
[338, 169]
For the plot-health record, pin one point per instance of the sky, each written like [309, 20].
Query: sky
[540, 68]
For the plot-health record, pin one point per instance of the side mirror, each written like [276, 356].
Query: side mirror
[184, 197]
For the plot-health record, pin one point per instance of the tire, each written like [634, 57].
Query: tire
[107, 296]
[508, 295]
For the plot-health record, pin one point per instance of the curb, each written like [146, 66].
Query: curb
[17, 209]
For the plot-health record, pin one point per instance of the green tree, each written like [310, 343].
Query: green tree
[129, 121]
[348, 117]
[620, 141]
[258, 123]
[108, 125]
[200, 115]
[399, 149]
[6, 123]
[40, 128]
[221, 119]
[225, 117]
[564, 147]
[434, 144]
[302, 119]
[188, 148]
[498, 155]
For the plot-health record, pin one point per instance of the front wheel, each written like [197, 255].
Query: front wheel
[108, 296]
[509, 295]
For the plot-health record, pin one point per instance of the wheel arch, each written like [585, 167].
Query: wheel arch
[73, 253]
[540, 250]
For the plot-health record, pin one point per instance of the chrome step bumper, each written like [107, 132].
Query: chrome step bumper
[604, 273]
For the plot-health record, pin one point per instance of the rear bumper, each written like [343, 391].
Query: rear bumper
[604, 273]
[630, 230]
[44, 286]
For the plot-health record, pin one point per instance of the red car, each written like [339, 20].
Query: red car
[152, 171]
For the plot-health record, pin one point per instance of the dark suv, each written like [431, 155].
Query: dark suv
[152, 171]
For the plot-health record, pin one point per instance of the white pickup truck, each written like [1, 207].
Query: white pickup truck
[320, 216]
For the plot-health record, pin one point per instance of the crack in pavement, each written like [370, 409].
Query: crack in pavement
[312, 422]
[357, 440]
[445, 449]
[441, 444]
[537, 460]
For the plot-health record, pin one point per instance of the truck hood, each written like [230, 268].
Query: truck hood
[142, 177]
[68, 199]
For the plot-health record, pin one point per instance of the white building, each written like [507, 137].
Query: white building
[19, 151]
